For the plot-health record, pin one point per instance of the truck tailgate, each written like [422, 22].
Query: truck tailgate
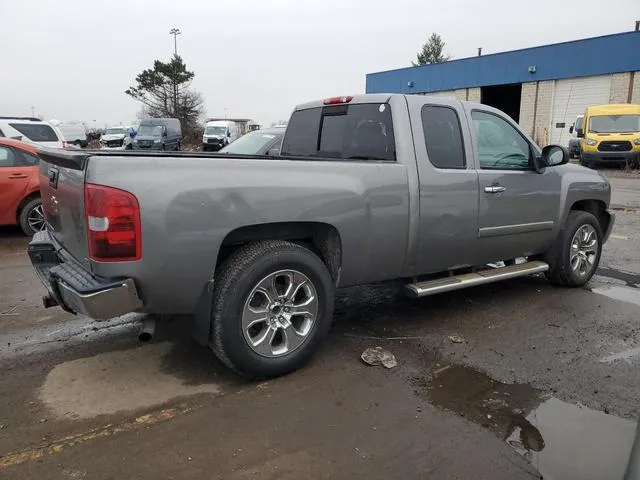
[62, 189]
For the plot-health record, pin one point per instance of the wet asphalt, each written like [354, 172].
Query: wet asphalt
[513, 380]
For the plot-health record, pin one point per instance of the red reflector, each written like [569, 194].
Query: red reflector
[113, 224]
[337, 100]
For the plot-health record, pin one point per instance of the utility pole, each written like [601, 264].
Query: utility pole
[175, 32]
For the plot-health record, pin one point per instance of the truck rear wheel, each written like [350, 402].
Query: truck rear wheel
[574, 257]
[273, 304]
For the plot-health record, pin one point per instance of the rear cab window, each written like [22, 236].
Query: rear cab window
[36, 132]
[361, 131]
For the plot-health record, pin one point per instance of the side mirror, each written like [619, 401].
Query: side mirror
[164, 133]
[571, 129]
[554, 155]
[580, 132]
[228, 134]
[273, 151]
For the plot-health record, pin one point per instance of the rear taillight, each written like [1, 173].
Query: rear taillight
[338, 100]
[113, 224]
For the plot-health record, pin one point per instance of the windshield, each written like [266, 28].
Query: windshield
[114, 131]
[252, 143]
[215, 131]
[150, 130]
[614, 123]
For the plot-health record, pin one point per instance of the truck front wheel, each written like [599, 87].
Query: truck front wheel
[273, 304]
[574, 257]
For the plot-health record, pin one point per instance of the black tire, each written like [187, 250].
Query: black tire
[584, 162]
[27, 210]
[235, 281]
[558, 258]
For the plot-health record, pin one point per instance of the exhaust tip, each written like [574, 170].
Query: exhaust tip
[147, 329]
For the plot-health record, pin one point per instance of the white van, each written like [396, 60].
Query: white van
[31, 130]
[74, 134]
[218, 134]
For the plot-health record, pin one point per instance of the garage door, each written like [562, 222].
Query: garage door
[570, 99]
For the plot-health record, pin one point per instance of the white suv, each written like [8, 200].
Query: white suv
[31, 130]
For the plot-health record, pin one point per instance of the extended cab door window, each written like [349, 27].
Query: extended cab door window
[500, 145]
[443, 137]
[348, 132]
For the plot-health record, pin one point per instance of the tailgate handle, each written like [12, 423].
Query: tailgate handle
[17, 175]
[53, 177]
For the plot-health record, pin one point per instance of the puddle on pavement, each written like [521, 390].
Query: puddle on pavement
[115, 381]
[563, 441]
[619, 292]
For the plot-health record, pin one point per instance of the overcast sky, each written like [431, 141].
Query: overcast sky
[73, 59]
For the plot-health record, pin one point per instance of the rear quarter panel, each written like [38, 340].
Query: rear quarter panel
[190, 204]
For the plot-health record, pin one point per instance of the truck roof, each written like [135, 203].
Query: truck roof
[615, 109]
[378, 98]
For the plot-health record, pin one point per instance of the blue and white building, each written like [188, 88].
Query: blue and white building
[543, 88]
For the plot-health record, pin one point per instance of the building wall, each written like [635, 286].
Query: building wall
[619, 92]
[635, 94]
[470, 94]
[536, 128]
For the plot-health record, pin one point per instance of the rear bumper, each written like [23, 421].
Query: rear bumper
[610, 157]
[75, 289]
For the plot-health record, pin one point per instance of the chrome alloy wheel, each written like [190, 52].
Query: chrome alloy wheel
[584, 250]
[279, 313]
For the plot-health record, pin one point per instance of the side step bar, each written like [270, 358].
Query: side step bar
[457, 282]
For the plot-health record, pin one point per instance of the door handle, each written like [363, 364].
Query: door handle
[494, 189]
[17, 175]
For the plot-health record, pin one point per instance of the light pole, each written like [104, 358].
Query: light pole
[175, 32]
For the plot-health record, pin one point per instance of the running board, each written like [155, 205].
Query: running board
[457, 282]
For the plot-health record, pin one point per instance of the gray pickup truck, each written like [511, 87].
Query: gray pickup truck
[426, 190]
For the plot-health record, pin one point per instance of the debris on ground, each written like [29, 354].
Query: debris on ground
[379, 356]
[11, 312]
[456, 338]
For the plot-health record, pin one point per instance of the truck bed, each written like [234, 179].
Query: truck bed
[192, 203]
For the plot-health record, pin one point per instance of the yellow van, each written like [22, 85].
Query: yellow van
[610, 133]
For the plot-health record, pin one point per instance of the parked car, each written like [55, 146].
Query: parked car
[116, 138]
[19, 186]
[74, 135]
[574, 141]
[31, 130]
[257, 142]
[158, 134]
[611, 134]
[368, 188]
[218, 134]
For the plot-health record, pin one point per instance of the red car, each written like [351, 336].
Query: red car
[20, 187]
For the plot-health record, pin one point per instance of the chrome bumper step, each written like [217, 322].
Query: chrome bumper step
[458, 282]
